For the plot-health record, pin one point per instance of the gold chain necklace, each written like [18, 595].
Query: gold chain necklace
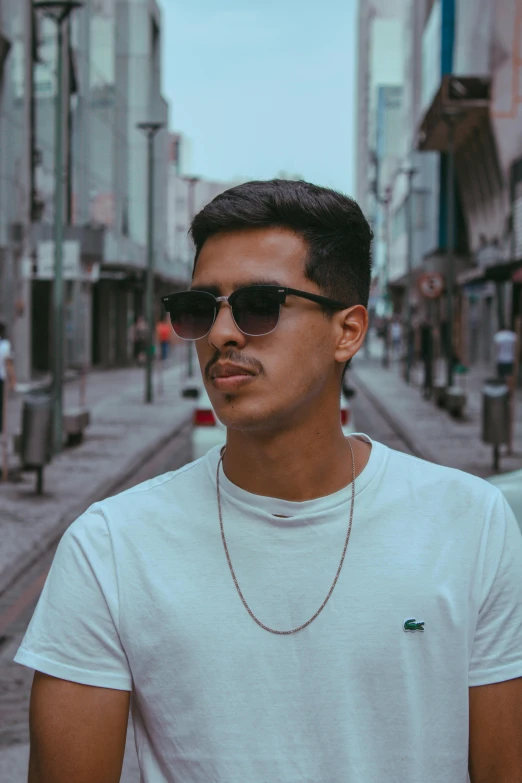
[250, 612]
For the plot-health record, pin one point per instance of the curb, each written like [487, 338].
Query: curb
[416, 446]
[26, 558]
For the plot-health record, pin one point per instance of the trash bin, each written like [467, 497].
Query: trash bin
[36, 446]
[455, 401]
[495, 412]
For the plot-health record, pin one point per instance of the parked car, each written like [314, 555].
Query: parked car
[347, 422]
[511, 486]
[208, 431]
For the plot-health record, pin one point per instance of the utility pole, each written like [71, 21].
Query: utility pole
[59, 11]
[410, 172]
[451, 121]
[150, 129]
[387, 204]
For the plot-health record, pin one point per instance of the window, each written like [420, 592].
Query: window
[421, 210]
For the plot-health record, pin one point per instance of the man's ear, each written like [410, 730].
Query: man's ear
[352, 326]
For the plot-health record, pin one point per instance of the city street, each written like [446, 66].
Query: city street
[18, 602]
[161, 206]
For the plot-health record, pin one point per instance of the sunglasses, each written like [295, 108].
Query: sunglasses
[255, 309]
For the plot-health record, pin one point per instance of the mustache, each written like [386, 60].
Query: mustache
[236, 358]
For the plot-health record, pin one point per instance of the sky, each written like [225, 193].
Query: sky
[262, 87]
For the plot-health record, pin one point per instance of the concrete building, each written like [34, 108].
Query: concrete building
[112, 82]
[186, 196]
[474, 49]
[387, 100]
[482, 91]
[389, 97]
[16, 171]
[379, 63]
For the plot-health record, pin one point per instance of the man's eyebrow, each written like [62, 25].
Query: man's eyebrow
[213, 288]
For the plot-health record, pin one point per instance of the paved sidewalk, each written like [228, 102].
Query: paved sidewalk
[430, 432]
[124, 433]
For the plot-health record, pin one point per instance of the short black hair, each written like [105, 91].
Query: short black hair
[332, 224]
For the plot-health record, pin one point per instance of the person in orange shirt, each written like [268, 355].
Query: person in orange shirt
[163, 336]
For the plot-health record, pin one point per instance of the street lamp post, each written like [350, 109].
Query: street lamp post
[451, 121]
[410, 173]
[191, 181]
[58, 11]
[386, 347]
[150, 129]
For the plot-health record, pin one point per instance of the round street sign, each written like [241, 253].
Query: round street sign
[431, 285]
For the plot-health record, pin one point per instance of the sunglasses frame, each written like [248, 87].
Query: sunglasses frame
[282, 291]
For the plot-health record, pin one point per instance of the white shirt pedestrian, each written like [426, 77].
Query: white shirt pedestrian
[505, 342]
[6, 353]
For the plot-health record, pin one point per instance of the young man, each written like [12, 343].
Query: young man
[274, 619]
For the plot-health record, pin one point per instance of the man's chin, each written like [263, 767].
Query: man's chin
[240, 415]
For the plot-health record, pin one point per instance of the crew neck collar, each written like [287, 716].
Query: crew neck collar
[289, 512]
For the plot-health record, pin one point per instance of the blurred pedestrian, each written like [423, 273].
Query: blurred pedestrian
[396, 338]
[505, 343]
[140, 334]
[164, 337]
[7, 373]
[260, 638]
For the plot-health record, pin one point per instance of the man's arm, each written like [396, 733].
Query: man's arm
[495, 732]
[78, 732]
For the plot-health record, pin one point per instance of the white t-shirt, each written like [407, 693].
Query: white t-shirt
[396, 330]
[506, 341]
[5, 353]
[140, 597]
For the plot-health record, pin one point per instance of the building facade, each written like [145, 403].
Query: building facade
[460, 69]
[481, 94]
[112, 82]
[187, 194]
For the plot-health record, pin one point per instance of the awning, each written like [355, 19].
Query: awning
[500, 273]
[475, 275]
[463, 98]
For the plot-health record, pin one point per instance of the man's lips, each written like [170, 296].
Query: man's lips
[230, 377]
[229, 371]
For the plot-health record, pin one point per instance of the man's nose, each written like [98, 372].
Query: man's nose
[224, 330]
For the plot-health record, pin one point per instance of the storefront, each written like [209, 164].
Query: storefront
[117, 301]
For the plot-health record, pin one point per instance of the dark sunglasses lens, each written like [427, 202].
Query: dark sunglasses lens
[191, 314]
[256, 312]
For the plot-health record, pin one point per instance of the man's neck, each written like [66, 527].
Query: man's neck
[295, 465]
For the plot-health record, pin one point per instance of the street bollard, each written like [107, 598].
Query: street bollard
[3, 434]
[36, 442]
[495, 416]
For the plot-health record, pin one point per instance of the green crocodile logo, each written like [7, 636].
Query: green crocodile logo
[413, 625]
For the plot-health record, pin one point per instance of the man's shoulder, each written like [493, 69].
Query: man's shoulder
[159, 498]
[450, 484]
[142, 511]
[173, 482]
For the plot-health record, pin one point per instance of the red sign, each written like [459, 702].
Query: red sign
[431, 285]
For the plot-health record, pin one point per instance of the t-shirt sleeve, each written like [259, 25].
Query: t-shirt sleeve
[73, 633]
[497, 648]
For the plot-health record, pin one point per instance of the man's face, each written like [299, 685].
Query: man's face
[293, 367]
